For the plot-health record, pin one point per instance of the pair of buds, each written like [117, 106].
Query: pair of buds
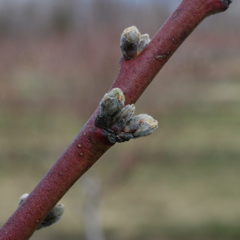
[53, 216]
[132, 42]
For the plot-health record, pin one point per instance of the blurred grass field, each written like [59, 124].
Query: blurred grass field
[182, 182]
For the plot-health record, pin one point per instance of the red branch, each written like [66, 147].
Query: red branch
[91, 142]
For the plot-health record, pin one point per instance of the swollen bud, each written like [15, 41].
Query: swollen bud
[112, 102]
[129, 42]
[141, 125]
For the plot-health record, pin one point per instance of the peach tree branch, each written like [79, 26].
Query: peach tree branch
[93, 141]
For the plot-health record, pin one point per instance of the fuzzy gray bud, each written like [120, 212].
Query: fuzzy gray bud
[112, 102]
[53, 216]
[141, 125]
[144, 40]
[122, 117]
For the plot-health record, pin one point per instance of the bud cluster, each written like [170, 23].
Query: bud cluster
[118, 120]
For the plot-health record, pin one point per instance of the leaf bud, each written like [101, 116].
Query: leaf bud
[141, 125]
[112, 102]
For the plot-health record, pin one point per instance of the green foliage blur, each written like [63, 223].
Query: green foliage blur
[57, 60]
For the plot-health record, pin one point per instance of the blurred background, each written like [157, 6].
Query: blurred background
[58, 58]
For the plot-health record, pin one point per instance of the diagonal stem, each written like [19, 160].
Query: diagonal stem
[135, 75]
[91, 142]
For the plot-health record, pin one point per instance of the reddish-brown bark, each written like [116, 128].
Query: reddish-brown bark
[135, 75]
[91, 142]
